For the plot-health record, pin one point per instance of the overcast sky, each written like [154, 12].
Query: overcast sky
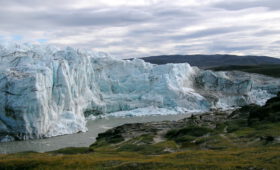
[137, 28]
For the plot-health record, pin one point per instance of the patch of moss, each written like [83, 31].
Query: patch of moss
[145, 139]
[269, 113]
[18, 164]
[168, 144]
[219, 142]
[144, 165]
[187, 134]
[111, 136]
[234, 125]
[72, 150]
[245, 132]
[185, 139]
[143, 149]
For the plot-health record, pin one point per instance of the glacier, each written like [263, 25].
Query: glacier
[47, 91]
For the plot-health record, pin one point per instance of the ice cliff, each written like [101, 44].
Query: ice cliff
[46, 91]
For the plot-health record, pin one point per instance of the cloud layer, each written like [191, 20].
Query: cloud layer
[146, 27]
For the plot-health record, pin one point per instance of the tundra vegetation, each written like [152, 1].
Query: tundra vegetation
[247, 138]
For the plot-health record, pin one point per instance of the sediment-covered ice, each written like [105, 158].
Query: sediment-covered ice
[46, 91]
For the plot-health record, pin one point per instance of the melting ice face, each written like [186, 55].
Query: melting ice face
[46, 91]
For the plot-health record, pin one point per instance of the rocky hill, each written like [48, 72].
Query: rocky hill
[207, 61]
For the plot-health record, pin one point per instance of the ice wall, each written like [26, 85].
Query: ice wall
[45, 91]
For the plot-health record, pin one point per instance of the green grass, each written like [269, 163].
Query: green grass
[260, 130]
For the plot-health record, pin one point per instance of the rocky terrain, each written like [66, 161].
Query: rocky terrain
[246, 138]
[236, 128]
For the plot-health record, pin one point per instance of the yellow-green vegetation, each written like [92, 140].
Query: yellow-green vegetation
[249, 138]
[73, 150]
[232, 158]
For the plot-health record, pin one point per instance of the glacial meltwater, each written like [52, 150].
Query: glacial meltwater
[80, 139]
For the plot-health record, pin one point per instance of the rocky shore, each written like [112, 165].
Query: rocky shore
[246, 138]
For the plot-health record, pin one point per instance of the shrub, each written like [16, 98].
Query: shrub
[270, 112]
[187, 133]
[111, 136]
[235, 125]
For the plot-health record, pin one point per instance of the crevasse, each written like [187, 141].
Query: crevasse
[46, 91]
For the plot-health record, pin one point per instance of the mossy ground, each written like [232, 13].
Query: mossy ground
[249, 139]
[243, 148]
[267, 157]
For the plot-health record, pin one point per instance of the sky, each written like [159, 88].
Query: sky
[139, 28]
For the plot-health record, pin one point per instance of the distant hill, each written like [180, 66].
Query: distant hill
[272, 70]
[207, 61]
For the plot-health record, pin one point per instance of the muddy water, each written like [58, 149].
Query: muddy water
[80, 139]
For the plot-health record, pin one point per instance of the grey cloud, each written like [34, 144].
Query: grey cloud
[96, 18]
[158, 28]
[272, 4]
[212, 32]
[223, 47]
[89, 17]
[276, 42]
[34, 3]
[216, 47]
[174, 12]
[267, 32]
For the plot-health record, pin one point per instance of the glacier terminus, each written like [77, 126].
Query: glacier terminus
[47, 91]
